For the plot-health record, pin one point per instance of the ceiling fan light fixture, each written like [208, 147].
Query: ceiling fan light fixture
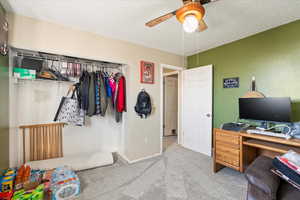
[193, 8]
[191, 15]
[190, 23]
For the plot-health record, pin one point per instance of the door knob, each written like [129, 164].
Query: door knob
[208, 115]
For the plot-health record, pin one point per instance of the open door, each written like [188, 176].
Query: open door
[197, 109]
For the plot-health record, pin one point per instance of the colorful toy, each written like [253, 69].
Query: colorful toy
[27, 173]
[20, 174]
[7, 180]
[28, 184]
[7, 184]
[64, 184]
[6, 195]
[36, 194]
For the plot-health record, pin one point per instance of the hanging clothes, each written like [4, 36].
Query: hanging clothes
[103, 96]
[95, 89]
[84, 83]
[120, 96]
[107, 86]
[97, 94]
[112, 85]
[92, 106]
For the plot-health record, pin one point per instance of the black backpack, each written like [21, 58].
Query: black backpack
[143, 105]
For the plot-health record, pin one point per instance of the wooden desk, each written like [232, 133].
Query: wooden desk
[238, 149]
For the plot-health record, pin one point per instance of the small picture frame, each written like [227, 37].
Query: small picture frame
[147, 72]
[231, 82]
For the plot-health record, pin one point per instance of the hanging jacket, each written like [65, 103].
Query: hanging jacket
[84, 82]
[107, 87]
[103, 96]
[97, 94]
[112, 84]
[117, 78]
[121, 97]
[92, 106]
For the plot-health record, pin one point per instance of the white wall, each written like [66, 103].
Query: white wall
[141, 137]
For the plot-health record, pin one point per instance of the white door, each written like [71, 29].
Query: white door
[170, 104]
[197, 109]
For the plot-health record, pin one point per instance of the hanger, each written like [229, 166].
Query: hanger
[59, 66]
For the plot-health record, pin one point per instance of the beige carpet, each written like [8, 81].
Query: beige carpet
[179, 174]
[168, 141]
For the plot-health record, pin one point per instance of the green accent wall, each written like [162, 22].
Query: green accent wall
[273, 57]
[4, 112]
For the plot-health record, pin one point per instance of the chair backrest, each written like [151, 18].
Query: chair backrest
[42, 141]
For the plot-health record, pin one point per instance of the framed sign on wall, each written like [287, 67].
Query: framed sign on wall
[231, 82]
[147, 72]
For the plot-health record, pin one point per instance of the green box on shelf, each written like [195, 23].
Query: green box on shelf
[23, 73]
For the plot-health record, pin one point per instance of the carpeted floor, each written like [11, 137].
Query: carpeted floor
[179, 174]
[169, 141]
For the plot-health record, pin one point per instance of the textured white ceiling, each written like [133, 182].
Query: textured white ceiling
[228, 20]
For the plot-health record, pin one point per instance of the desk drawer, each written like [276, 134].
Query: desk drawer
[227, 138]
[228, 155]
[220, 144]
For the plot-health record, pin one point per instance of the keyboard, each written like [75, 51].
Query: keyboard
[255, 131]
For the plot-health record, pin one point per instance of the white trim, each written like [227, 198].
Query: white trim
[121, 146]
[172, 67]
[181, 116]
[170, 73]
[179, 70]
[138, 160]
[161, 124]
[123, 157]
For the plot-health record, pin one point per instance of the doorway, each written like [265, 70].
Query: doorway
[170, 108]
[170, 132]
[194, 108]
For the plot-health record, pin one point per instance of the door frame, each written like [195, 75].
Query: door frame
[178, 71]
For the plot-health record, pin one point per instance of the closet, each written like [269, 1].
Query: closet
[36, 102]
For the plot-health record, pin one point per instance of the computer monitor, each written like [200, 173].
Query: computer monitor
[275, 109]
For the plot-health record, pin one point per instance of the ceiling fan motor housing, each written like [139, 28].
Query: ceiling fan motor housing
[193, 8]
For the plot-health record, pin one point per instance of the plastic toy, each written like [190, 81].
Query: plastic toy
[6, 195]
[7, 180]
[36, 194]
[64, 184]
[26, 175]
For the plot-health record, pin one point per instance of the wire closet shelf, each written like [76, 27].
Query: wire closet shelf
[63, 64]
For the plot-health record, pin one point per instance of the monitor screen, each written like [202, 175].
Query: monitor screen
[267, 109]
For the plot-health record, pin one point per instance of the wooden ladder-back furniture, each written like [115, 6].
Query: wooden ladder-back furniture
[44, 141]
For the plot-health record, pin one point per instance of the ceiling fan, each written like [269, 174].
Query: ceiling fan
[190, 15]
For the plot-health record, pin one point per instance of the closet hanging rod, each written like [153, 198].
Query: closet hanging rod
[95, 63]
[68, 59]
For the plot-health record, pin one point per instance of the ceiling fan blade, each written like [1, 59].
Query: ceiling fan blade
[205, 1]
[187, 1]
[160, 19]
[202, 25]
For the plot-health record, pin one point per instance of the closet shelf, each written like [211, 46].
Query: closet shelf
[17, 80]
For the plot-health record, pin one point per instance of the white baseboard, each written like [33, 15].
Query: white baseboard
[138, 160]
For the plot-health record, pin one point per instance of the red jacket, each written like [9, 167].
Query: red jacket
[121, 98]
